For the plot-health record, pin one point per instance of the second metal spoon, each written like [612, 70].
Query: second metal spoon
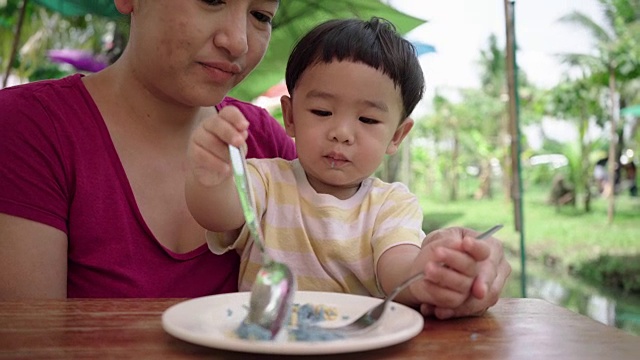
[371, 317]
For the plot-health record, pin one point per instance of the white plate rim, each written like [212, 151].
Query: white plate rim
[178, 319]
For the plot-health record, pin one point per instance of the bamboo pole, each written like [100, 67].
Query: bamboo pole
[514, 129]
[16, 43]
[613, 140]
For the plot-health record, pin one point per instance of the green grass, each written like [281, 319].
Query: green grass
[565, 238]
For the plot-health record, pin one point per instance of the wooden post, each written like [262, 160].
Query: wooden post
[513, 112]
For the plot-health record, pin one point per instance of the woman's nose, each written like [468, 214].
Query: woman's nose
[232, 34]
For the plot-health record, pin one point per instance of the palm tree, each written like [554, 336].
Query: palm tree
[613, 63]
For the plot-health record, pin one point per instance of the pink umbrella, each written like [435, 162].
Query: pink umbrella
[276, 91]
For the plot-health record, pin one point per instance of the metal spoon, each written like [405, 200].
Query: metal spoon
[374, 314]
[272, 292]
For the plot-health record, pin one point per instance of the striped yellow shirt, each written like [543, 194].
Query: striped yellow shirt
[329, 244]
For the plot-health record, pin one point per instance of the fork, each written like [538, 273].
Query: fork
[371, 317]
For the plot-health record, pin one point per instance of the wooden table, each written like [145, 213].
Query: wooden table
[116, 329]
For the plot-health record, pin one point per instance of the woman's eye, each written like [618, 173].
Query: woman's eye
[262, 17]
[321, 113]
[213, 2]
[365, 120]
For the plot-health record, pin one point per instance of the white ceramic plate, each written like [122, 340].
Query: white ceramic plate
[211, 320]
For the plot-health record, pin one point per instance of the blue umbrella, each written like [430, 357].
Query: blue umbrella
[633, 110]
[423, 48]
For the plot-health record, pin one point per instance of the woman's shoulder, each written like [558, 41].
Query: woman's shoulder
[251, 111]
[267, 137]
[261, 121]
[52, 99]
[40, 87]
[35, 96]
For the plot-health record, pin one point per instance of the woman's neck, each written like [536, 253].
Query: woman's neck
[127, 104]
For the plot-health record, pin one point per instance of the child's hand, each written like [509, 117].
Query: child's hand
[208, 152]
[450, 264]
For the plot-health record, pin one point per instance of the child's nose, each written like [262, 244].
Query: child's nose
[342, 132]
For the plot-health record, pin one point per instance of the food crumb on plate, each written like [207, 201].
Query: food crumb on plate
[301, 325]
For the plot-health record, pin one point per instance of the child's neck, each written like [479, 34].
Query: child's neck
[340, 192]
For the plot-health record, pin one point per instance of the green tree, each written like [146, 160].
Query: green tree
[580, 101]
[493, 80]
[43, 30]
[436, 132]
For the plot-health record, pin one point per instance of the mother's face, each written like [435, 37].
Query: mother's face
[194, 52]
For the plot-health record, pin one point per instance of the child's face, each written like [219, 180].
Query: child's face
[345, 117]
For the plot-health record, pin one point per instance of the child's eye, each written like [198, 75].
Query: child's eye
[321, 113]
[365, 120]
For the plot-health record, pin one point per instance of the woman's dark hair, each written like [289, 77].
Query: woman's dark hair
[375, 43]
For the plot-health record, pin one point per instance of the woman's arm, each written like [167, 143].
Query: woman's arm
[33, 260]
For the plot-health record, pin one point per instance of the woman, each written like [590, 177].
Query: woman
[94, 205]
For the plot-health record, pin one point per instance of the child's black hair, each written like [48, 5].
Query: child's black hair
[375, 43]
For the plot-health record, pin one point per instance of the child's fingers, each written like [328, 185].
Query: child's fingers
[209, 143]
[229, 127]
[448, 278]
[489, 279]
[208, 151]
[477, 249]
[234, 117]
[440, 294]
[459, 261]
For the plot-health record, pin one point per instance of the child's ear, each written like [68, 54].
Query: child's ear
[399, 135]
[287, 115]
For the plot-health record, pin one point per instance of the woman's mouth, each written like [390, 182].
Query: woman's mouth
[220, 72]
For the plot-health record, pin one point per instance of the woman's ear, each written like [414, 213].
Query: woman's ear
[287, 115]
[399, 135]
[125, 7]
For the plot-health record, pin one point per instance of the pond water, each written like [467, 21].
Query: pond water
[606, 306]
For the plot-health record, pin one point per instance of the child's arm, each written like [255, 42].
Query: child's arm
[210, 191]
[449, 265]
[493, 273]
[394, 267]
